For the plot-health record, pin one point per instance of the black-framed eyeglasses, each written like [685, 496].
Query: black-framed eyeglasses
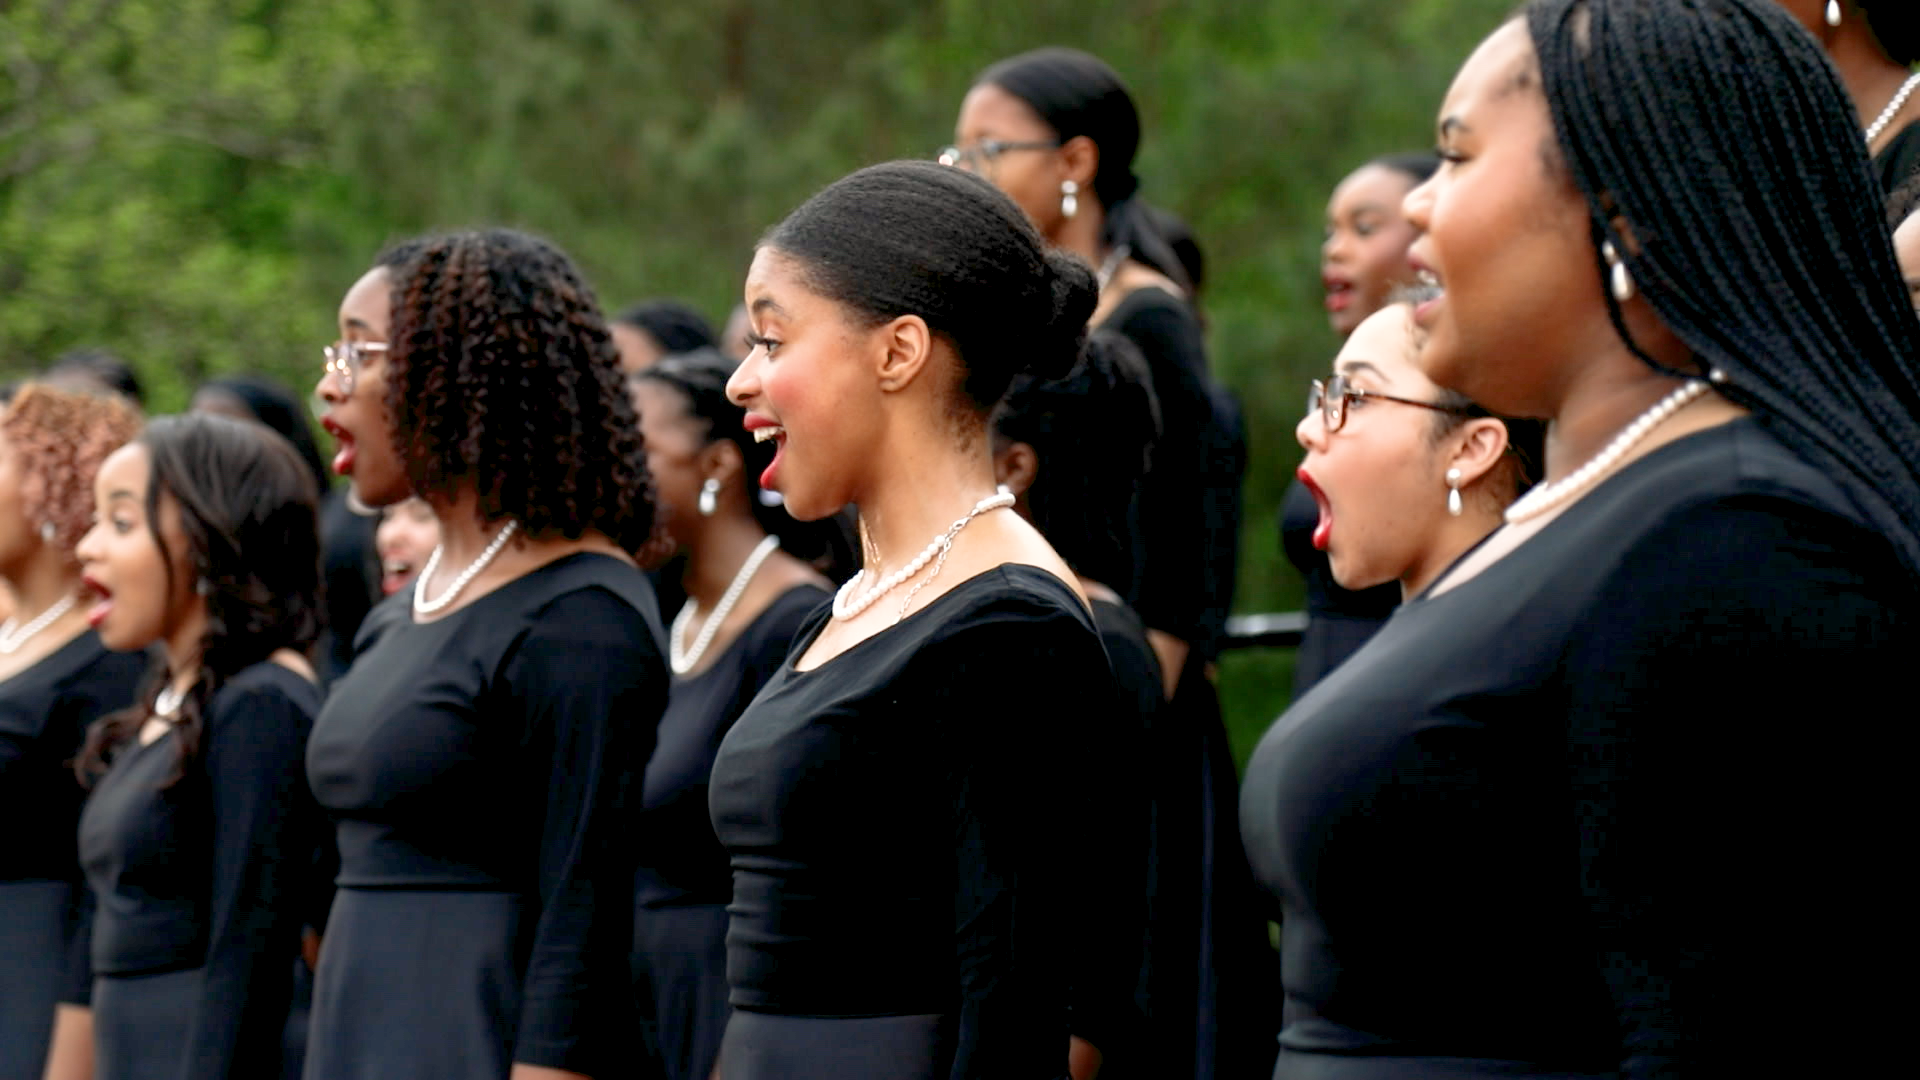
[346, 358]
[979, 157]
[1332, 397]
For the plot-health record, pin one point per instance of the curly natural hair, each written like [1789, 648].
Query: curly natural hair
[248, 512]
[502, 375]
[61, 437]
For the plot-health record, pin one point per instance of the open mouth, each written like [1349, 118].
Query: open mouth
[1339, 292]
[1322, 529]
[765, 433]
[394, 575]
[343, 456]
[102, 601]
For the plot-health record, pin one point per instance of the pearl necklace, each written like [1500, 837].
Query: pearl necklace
[167, 701]
[844, 607]
[428, 607]
[13, 635]
[1893, 108]
[683, 659]
[1546, 496]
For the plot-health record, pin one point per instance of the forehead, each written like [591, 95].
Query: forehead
[989, 111]
[1386, 341]
[1370, 186]
[125, 469]
[369, 301]
[1501, 75]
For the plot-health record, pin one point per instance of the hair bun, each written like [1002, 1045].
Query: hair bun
[1073, 292]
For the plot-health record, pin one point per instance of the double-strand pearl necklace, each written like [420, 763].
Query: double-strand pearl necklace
[1893, 108]
[1546, 496]
[13, 635]
[684, 659]
[428, 607]
[846, 607]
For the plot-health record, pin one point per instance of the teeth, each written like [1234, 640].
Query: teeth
[765, 433]
[1429, 278]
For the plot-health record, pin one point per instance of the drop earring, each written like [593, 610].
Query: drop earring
[1069, 198]
[1453, 492]
[48, 531]
[1833, 12]
[709, 497]
[1618, 277]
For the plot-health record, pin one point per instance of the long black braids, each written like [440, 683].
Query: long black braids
[1723, 160]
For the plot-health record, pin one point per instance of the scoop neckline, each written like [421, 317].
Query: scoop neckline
[503, 588]
[1003, 570]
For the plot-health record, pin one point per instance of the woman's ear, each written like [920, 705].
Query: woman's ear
[1080, 161]
[721, 461]
[1477, 447]
[905, 345]
[1015, 465]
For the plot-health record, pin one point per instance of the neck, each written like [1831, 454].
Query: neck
[1451, 537]
[725, 543]
[462, 535]
[1590, 419]
[40, 583]
[182, 647]
[1081, 233]
[919, 500]
[1871, 78]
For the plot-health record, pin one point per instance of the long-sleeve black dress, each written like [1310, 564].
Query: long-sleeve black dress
[1615, 806]
[478, 768]
[199, 885]
[1189, 512]
[684, 882]
[44, 714]
[898, 820]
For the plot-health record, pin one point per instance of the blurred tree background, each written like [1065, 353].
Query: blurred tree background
[192, 184]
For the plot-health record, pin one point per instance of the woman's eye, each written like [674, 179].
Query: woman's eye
[758, 342]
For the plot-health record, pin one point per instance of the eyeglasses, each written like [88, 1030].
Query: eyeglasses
[979, 157]
[1331, 399]
[344, 360]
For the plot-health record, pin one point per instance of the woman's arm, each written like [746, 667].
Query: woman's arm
[70, 1055]
[264, 822]
[593, 686]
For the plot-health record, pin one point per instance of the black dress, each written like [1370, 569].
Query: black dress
[1899, 160]
[1189, 510]
[684, 881]
[479, 767]
[1593, 812]
[198, 885]
[896, 819]
[1339, 620]
[44, 714]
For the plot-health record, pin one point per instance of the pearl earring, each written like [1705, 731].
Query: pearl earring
[709, 497]
[1453, 492]
[48, 531]
[1069, 198]
[1833, 12]
[1618, 277]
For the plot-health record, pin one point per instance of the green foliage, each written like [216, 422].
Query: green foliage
[193, 183]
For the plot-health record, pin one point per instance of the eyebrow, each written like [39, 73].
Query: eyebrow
[1453, 125]
[121, 495]
[1913, 285]
[1355, 367]
[356, 324]
[767, 303]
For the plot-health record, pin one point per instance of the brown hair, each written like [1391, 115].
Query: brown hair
[62, 436]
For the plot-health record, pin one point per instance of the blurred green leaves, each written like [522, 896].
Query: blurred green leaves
[193, 183]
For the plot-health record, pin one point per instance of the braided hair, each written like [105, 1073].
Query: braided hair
[1896, 26]
[503, 375]
[916, 238]
[1093, 432]
[700, 380]
[1751, 221]
[1076, 93]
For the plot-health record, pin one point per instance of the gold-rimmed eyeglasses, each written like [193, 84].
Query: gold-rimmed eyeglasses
[1332, 397]
[345, 358]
